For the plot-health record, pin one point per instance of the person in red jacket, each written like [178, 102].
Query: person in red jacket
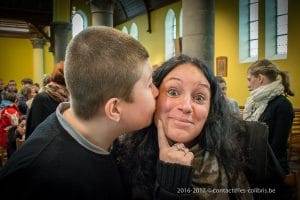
[10, 115]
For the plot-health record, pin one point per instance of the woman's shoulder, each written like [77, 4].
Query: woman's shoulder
[41, 95]
[281, 100]
[43, 98]
[253, 131]
[280, 105]
[252, 137]
[257, 153]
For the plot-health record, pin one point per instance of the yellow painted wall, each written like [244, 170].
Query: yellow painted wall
[16, 59]
[154, 41]
[226, 44]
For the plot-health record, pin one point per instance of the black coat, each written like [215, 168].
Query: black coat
[12, 135]
[42, 106]
[278, 116]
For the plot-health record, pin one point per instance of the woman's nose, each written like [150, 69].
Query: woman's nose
[186, 105]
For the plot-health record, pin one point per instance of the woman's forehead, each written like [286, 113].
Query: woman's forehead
[187, 72]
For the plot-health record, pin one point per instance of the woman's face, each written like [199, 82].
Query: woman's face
[253, 82]
[183, 103]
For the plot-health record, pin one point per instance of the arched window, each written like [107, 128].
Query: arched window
[79, 22]
[170, 34]
[134, 31]
[124, 29]
[180, 23]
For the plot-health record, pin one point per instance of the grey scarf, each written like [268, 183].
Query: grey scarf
[258, 101]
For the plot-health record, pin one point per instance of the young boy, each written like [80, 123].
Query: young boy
[109, 79]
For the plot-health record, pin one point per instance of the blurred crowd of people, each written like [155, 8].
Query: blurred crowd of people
[22, 109]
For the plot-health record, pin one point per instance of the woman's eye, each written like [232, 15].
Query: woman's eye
[199, 98]
[172, 92]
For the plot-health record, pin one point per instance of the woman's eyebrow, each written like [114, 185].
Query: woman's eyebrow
[204, 85]
[199, 84]
[174, 78]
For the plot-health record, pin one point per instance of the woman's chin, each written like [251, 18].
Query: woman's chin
[179, 137]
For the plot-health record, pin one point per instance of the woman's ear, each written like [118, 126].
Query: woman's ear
[113, 109]
[260, 79]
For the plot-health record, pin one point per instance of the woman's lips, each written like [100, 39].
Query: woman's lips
[181, 121]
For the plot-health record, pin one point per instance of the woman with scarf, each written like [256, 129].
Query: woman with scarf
[268, 103]
[196, 148]
[45, 102]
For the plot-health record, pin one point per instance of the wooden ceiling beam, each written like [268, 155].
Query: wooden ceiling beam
[147, 4]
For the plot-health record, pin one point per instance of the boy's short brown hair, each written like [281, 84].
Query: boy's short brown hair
[101, 63]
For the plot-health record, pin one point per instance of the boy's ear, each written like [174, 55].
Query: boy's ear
[112, 109]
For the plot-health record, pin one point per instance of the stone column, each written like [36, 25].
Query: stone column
[198, 30]
[59, 29]
[102, 12]
[59, 39]
[38, 58]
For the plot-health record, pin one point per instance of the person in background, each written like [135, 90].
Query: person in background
[29, 92]
[46, 102]
[9, 115]
[46, 80]
[22, 96]
[26, 81]
[196, 145]
[32, 91]
[1, 89]
[68, 155]
[231, 102]
[268, 103]
[36, 87]
[12, 86]
[16, 132]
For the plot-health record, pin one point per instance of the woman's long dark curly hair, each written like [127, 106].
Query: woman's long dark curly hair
[138, 152]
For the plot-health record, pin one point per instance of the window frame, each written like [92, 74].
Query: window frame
[84, 21]
[170, 34]
[271, 27]
[244, 31]
[124, 29]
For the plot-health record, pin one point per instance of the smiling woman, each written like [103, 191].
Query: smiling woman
[195, 143]
[183, 103]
